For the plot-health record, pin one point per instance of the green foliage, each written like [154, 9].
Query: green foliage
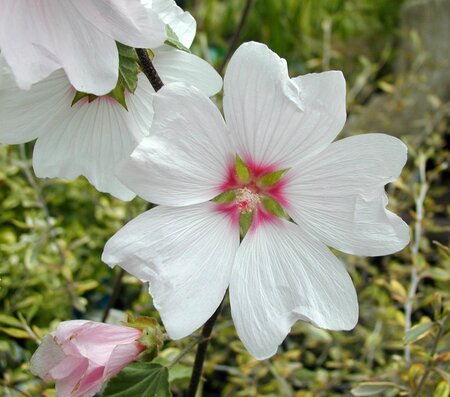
[140, 379]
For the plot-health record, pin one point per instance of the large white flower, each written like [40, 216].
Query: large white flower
[90, 138]
[188, 248]
[39, 37]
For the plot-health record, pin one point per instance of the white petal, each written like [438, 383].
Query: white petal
[25, 115]
[40, 45]
[282, 275]
[181, 22]
[179, 66]
[126, 21]
[186, 254]
[19, 22]
[186, 157]
[48, 355]
[339, 196]
[276, 120]
[90, 139]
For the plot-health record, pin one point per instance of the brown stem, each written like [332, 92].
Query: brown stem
[200, 356]
[237, 34]
[149, 69]
[115, 294]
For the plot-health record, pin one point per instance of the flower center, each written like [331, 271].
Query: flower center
[247, 200]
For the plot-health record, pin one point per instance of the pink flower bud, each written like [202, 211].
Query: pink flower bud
[80, 356]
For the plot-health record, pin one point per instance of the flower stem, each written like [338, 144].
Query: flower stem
[149, 69]
[237, 34]
[115, 294]
[200, 356]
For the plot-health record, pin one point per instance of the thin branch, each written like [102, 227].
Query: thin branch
[237, 34]
[415, 277]
[429, 366]
[115, 294]
[149, 69]
[195, 341]
[40, 199]
[200, 356]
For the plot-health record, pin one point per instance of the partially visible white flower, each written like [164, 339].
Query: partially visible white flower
[282, 129]
[90, 138]
[181, 22]
[39, 37]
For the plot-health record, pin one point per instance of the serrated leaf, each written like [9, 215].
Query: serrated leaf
[140, 379]
[373, 388]
[226, 197]
[173, 40]
[417, 332]
[10, 320]
[274, 207]
[128, 67]
[242, 171]
[16, 333]
[271, 178]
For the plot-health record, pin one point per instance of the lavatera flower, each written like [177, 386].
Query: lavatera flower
[80, 356]
[90, 137]
[39, 37]
[273, 169]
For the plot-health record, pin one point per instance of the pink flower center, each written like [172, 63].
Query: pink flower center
[247, 200]
[252, 194]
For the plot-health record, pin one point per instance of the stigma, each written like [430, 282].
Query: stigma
[247, 200]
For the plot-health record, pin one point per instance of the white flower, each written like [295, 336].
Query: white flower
[39, 37]
[188, 247]
[90, 138]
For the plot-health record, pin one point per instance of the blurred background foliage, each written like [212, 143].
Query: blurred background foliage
[395, 57]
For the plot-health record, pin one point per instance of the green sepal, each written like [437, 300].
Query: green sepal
[242, 171]
[226, 197]
[271, 178]
[128, 67]
[152, 336]
[173, 40]
[80, 95]
[118, 93]
[140, 379]
[274, 207]
[245, 221]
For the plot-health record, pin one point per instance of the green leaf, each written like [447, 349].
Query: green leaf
[417, 332]
[173, 40]
[226, 197]
[271, 178]
[274, 207]
[444, 375]
[10, 320]
[242, 171]
[128, 67]
[140, 379]
[245, 221]
[442, 390]
[16, 333]
[373, 388]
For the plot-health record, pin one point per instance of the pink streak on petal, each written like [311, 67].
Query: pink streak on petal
[260, 217]
[258, 170]
[232, 211]
[231, 181]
